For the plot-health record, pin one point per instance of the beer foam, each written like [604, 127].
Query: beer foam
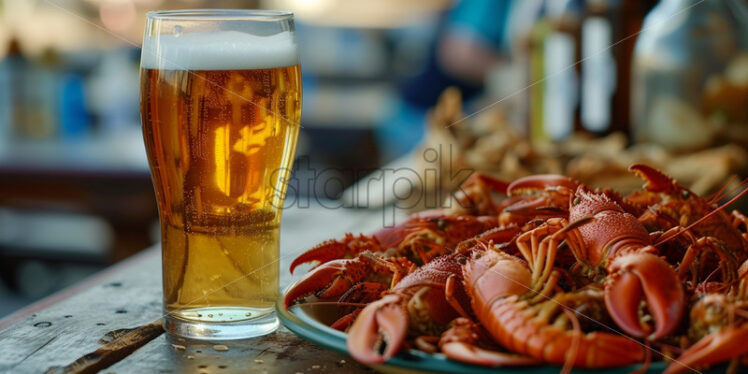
[218, 50]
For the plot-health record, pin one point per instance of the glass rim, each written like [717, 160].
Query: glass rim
[221, 14]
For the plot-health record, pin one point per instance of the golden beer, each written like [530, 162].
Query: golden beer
[220, 144]
[221, 105]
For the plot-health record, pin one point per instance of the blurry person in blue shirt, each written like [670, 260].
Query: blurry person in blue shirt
[471, 39]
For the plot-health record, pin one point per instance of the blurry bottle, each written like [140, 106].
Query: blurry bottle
[553, 76]
[599, 78]
[42, 95]
[690, 85]
[608, 35]
[13, 71]
[73, 118]
[113, 90]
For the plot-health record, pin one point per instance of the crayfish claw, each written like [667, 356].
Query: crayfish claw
[381, 321]
[319, 279]
[656, 181]
[347, 247]
[321, 254]
[622, 298]
[644, 276]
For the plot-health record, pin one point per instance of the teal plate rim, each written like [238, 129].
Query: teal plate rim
[308, 327]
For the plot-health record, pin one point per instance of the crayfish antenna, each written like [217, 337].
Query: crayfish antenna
[706, 216]
[719, 195]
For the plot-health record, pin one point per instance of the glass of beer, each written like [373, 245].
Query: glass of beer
[220, 102]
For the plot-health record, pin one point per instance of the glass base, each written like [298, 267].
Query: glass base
[221, 323]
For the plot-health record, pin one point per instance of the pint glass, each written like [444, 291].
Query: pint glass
[220, 102]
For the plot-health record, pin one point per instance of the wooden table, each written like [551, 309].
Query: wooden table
[52, 334]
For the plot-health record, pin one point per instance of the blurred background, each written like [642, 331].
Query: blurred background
[580, 87]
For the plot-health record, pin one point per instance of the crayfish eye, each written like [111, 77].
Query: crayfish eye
[685, 194]
[441, 224]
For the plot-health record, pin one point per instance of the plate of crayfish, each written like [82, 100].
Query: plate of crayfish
[539, 274]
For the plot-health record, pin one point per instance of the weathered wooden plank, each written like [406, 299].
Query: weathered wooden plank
[102, 277]
[279, 352]
[69, 327]
[60, 334]
[113, 351]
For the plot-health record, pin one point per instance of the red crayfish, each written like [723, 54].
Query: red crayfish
[546, 270]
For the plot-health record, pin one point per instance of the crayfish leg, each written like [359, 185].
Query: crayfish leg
[449, 295]
[344, 322]
[461, 343]
[716, 347]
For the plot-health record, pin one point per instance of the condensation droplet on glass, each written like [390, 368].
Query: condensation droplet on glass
[177, 31]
